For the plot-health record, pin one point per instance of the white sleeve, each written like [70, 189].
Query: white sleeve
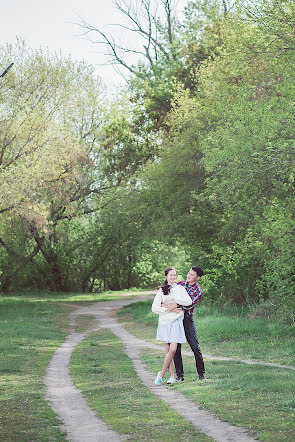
[181, 296]
[156, 306]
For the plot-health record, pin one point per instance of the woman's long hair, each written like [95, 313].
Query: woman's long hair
[165, 286]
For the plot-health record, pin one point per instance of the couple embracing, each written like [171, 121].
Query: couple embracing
[174, 303]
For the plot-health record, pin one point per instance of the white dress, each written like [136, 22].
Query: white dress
[170, 325]
[173, 332]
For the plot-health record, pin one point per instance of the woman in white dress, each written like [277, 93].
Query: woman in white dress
[170, 325]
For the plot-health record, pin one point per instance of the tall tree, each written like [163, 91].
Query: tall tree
[48, 131]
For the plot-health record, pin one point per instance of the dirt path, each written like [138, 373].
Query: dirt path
[81, 423]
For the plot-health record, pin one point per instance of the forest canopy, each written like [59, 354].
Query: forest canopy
[191, 164]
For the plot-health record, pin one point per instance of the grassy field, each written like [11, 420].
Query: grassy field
[29, 333]
[262, 399]
[101, 369]
[259, 399]
[32, 326]
[229, 332]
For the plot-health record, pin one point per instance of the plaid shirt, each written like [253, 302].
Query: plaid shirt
[195, 292]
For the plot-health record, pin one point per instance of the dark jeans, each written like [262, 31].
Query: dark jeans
[192, 339]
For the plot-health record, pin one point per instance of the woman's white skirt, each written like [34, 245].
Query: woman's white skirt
[173, 332]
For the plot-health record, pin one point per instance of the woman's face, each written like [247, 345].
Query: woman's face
[171, 277]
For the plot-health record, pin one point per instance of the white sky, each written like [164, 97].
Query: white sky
[51, 24]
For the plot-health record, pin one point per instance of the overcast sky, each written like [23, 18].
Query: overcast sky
[51, 23]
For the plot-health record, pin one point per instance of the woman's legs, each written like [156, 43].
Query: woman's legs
[170, 349]
[171, 365]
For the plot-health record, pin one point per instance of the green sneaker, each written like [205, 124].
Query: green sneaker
[158, 380]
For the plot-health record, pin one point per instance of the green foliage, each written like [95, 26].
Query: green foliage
[126, 140]
[46, 157]
[277, 231]
[248, 159]
[127, 253]
[231, 149]
[194, 165]
[41, 153]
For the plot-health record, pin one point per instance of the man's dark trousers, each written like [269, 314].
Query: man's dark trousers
[192, 339]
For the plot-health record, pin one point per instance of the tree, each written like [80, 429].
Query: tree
[276, 17]
[228, 163]
[152, 78]
[249, 160]
[126, 140]
[47, 137]
[145, 19]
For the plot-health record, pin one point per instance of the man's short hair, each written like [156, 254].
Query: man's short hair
[199, 271]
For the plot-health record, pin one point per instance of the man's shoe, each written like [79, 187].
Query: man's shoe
[202, 377]
[179, 378]
[171, 380]
[158, 380]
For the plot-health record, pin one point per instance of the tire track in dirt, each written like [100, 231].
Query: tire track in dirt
[81, 423]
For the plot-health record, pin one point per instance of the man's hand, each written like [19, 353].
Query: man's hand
[170, 307]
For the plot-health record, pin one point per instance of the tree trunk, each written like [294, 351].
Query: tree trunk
[10, 277]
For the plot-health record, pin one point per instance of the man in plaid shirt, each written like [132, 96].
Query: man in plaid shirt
[196, 293]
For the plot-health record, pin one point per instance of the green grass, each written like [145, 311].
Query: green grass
[32, 326]
[230, 332]
[105, 375]
[85, 323]
[28, 337]
[260, 399]
[72, 298]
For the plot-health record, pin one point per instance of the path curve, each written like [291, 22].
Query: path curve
[81, 423]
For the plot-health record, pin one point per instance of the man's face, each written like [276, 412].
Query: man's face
[192, 277]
